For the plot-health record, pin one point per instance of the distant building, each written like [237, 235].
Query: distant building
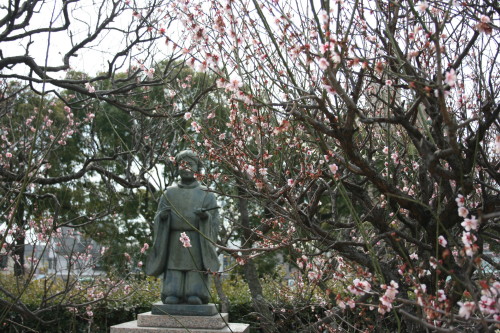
[70, 254]
[73, 254]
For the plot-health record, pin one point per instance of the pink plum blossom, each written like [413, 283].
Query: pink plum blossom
[145, 247]
[336, 58]
[442, 241]
[450, 77]
[359, 287]
[329, 89]
[441, 295]
[234, 84]
[186, 242]
[422, 6]
[250, 169]
[485, 19]
[388, 298]
[463, 212]
[89, 88]
[323, 63]
[323, 16]
[470, 224]
[488, 305]
[468, 238]
[466, 309]
[196, 127]
[333, 168]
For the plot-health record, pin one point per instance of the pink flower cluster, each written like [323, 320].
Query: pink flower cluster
[186, 242]
[144, 248]
[388, 298]
[469, 224]
[359, 287]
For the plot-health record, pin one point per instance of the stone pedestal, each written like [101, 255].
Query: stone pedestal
[181, 318]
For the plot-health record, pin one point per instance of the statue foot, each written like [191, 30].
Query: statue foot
[194, 300]
[171, 300]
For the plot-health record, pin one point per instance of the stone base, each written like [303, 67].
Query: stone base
[131, 327]
[184, 309]
[168, 323]
[216, 321]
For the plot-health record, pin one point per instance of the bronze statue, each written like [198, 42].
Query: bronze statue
[191, 210]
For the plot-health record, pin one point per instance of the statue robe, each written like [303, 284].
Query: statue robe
[178, 204]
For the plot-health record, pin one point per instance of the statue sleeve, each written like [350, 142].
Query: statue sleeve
[214, 217]
[210, 229]
[157, 257]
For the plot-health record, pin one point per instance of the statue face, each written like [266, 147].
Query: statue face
[187, 168]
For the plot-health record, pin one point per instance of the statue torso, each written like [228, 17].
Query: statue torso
[183, 201]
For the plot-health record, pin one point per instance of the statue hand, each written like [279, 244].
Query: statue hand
[201, 214]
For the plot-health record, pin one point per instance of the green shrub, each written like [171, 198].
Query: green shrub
[121, 301]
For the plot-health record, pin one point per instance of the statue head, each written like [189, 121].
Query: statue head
[188, 164]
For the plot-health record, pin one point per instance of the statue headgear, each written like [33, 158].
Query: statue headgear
[188, 154]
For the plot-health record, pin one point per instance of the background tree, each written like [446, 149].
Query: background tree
[363, 135]
[80, 149]
[369, 133]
